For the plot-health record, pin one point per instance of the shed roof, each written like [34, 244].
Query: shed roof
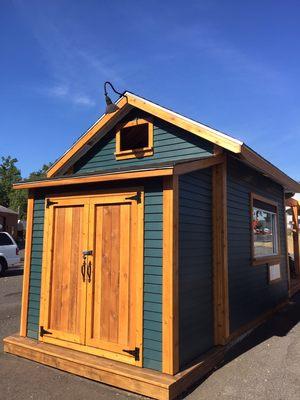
[5, 210]
[129, 101]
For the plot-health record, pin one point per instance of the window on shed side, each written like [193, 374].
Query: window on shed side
[265, 229]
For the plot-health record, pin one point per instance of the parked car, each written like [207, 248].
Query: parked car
[9, 252]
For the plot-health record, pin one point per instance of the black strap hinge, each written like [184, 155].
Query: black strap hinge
[135, 353]
[137, 197]
[44, 332]
[50, 203]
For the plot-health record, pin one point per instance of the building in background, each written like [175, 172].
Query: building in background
[8, 221]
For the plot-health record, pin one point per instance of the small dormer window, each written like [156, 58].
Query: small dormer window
[134, 139]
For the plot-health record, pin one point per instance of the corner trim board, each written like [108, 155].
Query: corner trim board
[170, 276]
[220, 254]
[27, 262]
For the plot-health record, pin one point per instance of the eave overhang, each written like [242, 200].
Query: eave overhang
[105, 177]
[155, 170]
[266, 168]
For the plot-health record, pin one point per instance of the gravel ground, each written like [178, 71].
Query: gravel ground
[265, 365]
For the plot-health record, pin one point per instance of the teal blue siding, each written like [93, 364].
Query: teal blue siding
[152, 336]
[250, 294]
[170, 144]
[35, 269]
[195, 266]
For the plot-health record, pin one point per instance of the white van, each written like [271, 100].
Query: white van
[9, 252]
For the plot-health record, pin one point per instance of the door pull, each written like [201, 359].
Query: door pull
[89, 271]
[83, 267]
[135, 353]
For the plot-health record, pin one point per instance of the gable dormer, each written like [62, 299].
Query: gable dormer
[140, 139]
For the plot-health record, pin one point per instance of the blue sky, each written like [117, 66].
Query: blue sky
[230, 64]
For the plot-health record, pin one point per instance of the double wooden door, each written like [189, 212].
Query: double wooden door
[92, 289]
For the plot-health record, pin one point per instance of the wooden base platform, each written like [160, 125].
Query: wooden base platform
[138, 380]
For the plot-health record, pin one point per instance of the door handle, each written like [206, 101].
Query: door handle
[89, 271]
[83, 267]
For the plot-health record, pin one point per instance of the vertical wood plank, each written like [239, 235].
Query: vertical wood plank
[46, 269]
[27, 262]
[56, 272]
[96, 245]
[65, 266]
[124, 274]
[170, 276]
[220, 254]
[105, 281]
[75, 276]
[286, 244]
[114, 275]
[296, 238]
[132, 278]
[137, 263]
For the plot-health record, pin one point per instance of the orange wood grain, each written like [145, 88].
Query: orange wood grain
[100, 315]
[27, 261]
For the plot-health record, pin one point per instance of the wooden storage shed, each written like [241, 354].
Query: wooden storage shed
[153, 242]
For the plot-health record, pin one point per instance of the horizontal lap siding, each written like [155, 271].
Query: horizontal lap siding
[250, 294]
[152, 337]
[36, 269]
[170, 144]
[195, 265]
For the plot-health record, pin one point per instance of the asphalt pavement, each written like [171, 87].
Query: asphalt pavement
[263, 366]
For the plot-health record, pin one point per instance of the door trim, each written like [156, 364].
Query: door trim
[138, 255]
[46, 281]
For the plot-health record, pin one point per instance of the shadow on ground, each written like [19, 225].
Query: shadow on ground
[12, 272]
[277, 326]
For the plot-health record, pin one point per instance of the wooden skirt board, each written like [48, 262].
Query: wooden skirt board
[129, 377]
[92, 282]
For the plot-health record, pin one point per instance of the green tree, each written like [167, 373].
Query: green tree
[18, 202]
[18, 199]
[39, 174]
[9, 174]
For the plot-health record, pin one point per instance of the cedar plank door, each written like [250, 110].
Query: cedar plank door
[93, 302]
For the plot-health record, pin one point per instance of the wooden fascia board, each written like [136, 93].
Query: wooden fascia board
[268, 169]
[191, 166]
[94, 178]
[79, 145]
[194, 127]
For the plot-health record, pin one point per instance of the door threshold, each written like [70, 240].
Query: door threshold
[135, 379]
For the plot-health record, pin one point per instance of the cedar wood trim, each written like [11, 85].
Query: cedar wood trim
[271, 259]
